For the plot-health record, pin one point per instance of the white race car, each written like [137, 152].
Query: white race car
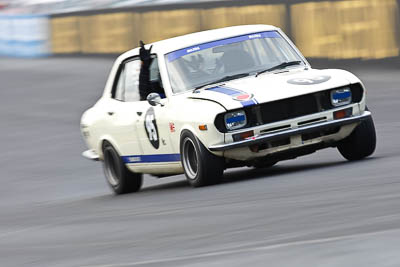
[230, 97]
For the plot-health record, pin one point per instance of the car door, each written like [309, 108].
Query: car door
[123, 110]
[155, 128]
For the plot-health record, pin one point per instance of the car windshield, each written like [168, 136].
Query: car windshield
[227, 59]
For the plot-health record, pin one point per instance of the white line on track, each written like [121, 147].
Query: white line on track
[242, 250]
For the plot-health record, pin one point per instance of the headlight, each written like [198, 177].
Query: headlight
[235, 120]
[341, 97]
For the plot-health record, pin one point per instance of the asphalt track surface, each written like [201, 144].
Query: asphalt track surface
[56, 209]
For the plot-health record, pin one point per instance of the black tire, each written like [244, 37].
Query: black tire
[201, 167]
[119, 178]
[360, 143]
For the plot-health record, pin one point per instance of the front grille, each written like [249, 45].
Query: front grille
[290, 108]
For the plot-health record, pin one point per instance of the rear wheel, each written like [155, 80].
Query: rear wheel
[201, 167]
[120, 179]
[360, 143]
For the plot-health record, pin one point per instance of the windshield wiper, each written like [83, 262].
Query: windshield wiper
[223, 79]
[280, 66]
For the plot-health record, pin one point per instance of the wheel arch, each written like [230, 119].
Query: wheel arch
[202, 138]
[201, 167]
[192, 130]
[104, 140]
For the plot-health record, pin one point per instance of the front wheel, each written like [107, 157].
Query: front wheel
[120, 179]
[201, 167]
[360, 143]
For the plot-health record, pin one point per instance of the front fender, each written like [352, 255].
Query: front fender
[110, 140]
[352, 80]
[201, 112]
[350, 77]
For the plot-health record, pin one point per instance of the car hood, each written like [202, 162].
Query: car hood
[270, 87]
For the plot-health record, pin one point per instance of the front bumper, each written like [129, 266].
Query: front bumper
[91, 154]
[263, 138]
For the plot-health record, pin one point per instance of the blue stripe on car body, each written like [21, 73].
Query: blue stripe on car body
[151, 158]
[225, 90]
[233, 92]
[247, 103]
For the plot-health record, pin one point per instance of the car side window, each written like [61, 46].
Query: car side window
[155, 78]
[120, 87]
[127, 87]
[132, 71]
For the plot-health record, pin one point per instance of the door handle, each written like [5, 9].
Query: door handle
[139, 113]
[110, 113]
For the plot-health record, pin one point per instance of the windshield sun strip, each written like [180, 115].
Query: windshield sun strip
[192, 49]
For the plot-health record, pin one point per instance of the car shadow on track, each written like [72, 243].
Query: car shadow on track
[247, 174]
[277, 170]
[171, 185]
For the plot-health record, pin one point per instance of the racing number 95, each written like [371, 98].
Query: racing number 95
[150, 125]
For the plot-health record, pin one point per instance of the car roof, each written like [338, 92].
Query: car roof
[176, 43]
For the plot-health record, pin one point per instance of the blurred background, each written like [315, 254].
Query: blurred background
[340, 29]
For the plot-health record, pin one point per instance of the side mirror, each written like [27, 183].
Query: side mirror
[154, 99]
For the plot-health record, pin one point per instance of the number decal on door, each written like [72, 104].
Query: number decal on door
[150, 125]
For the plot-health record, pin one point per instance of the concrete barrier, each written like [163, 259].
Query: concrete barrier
[340, 29]
[65, 35]
[253, 14]
[24, 36]
[106, 33]
[158, 25]
[117, 32]
[346, 29]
